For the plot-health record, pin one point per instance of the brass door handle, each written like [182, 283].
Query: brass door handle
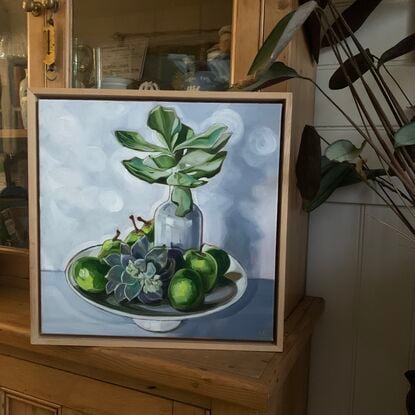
[36, 7]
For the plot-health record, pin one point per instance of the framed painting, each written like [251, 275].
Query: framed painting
[159, 219]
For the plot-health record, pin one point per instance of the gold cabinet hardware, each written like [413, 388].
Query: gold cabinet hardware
[36, 7]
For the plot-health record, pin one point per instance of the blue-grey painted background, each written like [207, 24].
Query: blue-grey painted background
[86, 194]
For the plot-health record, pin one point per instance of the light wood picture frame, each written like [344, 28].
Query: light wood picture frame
[79, 140]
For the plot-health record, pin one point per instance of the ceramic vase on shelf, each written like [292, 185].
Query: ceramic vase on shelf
[184, 232]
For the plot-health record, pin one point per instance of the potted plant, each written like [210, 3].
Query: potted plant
[342, 164]
[183, 161]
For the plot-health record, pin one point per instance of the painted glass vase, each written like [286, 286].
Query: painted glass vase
[175, 231]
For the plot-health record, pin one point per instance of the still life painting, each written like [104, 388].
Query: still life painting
[158, 218]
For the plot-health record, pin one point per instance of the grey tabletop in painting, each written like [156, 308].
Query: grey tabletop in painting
[66, 313]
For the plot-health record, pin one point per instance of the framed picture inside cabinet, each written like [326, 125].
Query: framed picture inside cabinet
[159, 219]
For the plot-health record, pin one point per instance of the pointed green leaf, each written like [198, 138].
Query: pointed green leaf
[329, 183]
[137, 168]
[184, 180]
[343, 150]
[166, 123]
[182, 198]
[280, 36]
[135, 141]
[209, 169]
[405, 136]
[163, 161]
[353, 177]
[194, 158]
[278, 72]
[206, 140]
[221, 143]
[186, 133]
[401, 48]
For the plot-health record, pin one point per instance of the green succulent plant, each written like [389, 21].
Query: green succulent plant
[184, 160]
[140, 272]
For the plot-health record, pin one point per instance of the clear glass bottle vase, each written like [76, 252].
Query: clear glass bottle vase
[179, 232]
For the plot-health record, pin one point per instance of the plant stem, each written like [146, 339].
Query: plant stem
[397, 84]
[117, 235]
[383, 86]
[134, 224]
[394, 165]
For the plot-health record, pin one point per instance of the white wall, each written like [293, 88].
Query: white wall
[364, 270]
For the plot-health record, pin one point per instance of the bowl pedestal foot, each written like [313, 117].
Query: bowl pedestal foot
[157, 326]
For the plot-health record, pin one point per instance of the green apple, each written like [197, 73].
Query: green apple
[89, 273]
[205, 265]
[186, 291]
[221, 257]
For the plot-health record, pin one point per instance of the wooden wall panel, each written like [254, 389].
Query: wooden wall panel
[385, 315]
[333, 270]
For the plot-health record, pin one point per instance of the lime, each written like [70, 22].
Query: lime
[89, 273]
[186, 290]
[205, 265]
[222, 259]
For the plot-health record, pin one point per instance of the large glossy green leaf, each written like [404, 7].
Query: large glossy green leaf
[206, 140]
[163, 161]
[280, 36]
[353, 177]
[208, 169]
[355, 15]
[343, 150]
[330, 181]
[138, 168]
[194, 158]
[186, 133]
[401, 48]
[405, 136]
[278, 72]
[184, 180]
[182, 198]
[339, 81]
[308, 167]
[136, 141]
[166, 122]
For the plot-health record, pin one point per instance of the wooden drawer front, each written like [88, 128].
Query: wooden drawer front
[83, 395]
[14, 403]
[182, 409]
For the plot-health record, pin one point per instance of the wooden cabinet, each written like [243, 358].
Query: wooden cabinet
[102, 381]
[15, 403]
[114, 381]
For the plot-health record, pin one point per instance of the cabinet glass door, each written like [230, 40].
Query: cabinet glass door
[13, 121]
[152, 44]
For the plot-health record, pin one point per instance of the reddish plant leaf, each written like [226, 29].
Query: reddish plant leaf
[338, 79]
[355, 16]
[308, 168]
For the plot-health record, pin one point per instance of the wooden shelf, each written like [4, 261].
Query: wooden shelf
[10, 250]
[246, 378]
[7, 133]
